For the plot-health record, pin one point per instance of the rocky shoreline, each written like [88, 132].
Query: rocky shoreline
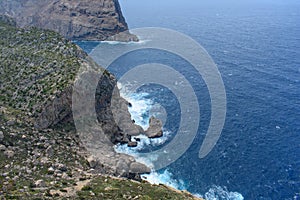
[42, 154]
[48, 149]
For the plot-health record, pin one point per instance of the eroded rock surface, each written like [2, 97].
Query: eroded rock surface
[155, 128]
[39, 75]
[76, 19]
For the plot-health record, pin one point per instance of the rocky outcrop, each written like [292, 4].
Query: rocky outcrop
[38, 70]
[76, 19]
[155, 128]
[56, 110]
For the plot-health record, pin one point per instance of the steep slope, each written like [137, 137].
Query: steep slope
[76, 19]
[41, 154]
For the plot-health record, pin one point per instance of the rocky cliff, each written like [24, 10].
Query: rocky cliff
[38, 71]
[42, 154]
[76, 19]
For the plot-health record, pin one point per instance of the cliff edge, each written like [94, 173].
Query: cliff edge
[76, 19]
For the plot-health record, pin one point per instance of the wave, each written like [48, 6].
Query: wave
[218, 193]
[165, 178]
[140, 112]
[124, 43]
[141, 106]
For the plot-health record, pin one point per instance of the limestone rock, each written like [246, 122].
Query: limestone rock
[93, 162]
[76, 19]
[40, 184]
[9, 153]
[2, 147]
[139, 168]
[125, 36]
[155, 128]
[122, 168]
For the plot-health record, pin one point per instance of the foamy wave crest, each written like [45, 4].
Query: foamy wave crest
[140, 112]
[165, 178]
[143, 144]
[124, 43]
[221, 193]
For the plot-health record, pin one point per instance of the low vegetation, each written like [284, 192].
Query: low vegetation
[36, 65]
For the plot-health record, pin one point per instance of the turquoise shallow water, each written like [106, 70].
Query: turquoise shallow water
[257, 50]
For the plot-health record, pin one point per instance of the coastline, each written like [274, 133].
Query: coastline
[40, 148]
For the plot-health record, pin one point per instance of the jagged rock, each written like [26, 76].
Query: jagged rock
[9, 153]
[122, 168]
[155, 128]
[93, 162]
[40, 184]
[77, 19]
[139, 168]
[62, 167]
[125, 36]
[56, 110]
[51, 170]
[65, 176]
[122, 117]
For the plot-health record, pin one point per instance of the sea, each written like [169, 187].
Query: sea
[256, 48]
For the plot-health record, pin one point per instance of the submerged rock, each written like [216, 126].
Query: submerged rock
[132, 144]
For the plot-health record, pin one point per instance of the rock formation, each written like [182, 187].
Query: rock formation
[42, 154]
[76, 19]
[155, 128]
[38, 73]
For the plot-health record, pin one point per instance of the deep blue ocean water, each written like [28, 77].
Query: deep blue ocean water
[256, 47]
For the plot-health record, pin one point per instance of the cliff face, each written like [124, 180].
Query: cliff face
[41, 153]
[38, 69]
[76, 19]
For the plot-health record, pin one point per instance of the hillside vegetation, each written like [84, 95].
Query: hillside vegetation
[36, 66]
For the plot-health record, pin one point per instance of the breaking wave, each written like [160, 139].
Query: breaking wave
[141, 112]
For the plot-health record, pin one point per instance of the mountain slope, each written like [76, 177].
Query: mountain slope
[41, 153]
[76, 19]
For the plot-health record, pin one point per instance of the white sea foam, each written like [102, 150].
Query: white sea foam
[165, 178]
[221, 193]
[140, 112]
[124, 43]
[140, 105]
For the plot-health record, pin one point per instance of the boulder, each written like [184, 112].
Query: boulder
[2, 147]
[155, 128]
[93, 162]
[9, 153]
[122, 168]
[40, 184]
[139, 168]
[132, 144]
